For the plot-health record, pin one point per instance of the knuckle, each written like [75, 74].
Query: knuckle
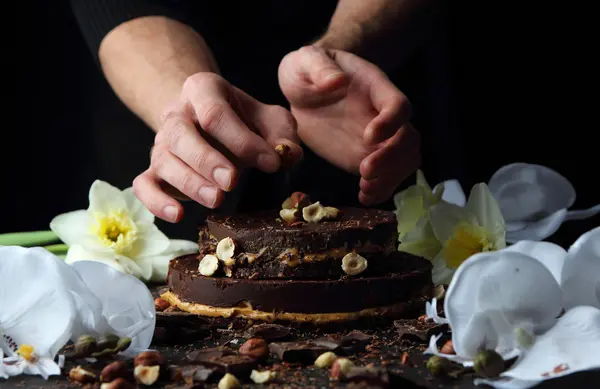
[241, 147]
[199, 80]
[200, 159]
[188, 183]
[211, 116]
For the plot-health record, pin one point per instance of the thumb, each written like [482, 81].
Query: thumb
[319, 67]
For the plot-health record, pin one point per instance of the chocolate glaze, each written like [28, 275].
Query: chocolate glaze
[297, 296]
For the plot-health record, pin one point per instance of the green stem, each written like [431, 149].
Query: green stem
[28, 239]
[57, 248]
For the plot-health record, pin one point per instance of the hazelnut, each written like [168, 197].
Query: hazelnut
[112, 371]
[287, 203]
[226, 251]
[332, 213]
[160, 304]
[325, 360]
[229, 382]
[353, 264]
[448, 348]
[299, 200]
[340, 368]
[208, 265]
[262, 377]
[255, 348]
[119, 383]
[289, 215]
[79, 374]
[285, 153]
[149, 358]
[313, 213]
[146, 375]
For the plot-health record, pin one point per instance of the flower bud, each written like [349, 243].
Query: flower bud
[108, 341]
[123, 344]
[438, 365]
[489, 364]
[85, 345]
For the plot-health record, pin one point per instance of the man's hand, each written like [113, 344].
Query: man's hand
[351, 114]
[205, 138]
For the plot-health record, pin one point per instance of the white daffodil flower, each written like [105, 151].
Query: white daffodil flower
[499, 301]
[580, 276]
[570, 346]
[465, 231]
[37, 312]
[119, 231]
[534, 201]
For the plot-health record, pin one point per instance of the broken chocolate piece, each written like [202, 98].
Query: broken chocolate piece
[351, 343]
[304, 352]
[224, 361]
[372, 376]
[192, 374]
[209, 353]
[268, 332]
[419, 331]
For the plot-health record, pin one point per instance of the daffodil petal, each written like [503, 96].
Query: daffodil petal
[139, 213]
[494, 293]
[409, 209]
[482, 204]
[441, 274]
[453, 193]
[160, 263]
[72, 227]
[421, 241]
[549, 254]
[126, 303]
[422, 181]
[151, 241]
[78, 253]
[580, 277]
[538, 230]
[445, 217]
[105, 198]
[570, 346]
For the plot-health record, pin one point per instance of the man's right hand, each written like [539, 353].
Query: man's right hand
[206, 137]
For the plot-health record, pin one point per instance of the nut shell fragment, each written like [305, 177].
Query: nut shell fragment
[289, 215]
[208, 265]
[226, 251]
[146, 375]
[314, 213]
[353, 264]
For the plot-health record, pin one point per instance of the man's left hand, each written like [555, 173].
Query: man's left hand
[350, 113]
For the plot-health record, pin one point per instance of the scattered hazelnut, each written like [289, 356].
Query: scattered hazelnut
[161, 304]
[112, 371]
[285, 153]
[255, 348]
[448, 348]
[289, 215]
[313, 213]
[488, 364]
[353, 264]
[146, 375]
[340, 368]
[79, 374]
[325, 360]
[332, 213]
[287, 203]
[149, 358]
[229, 382]
[262, 377]
[226, 251]
[299, 200]
[208, 265]
[119, 383]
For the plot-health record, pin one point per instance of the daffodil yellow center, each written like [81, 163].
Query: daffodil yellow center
[26, 351]
[115, 230]
[467, 240]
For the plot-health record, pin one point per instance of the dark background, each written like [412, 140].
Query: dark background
[523, 88]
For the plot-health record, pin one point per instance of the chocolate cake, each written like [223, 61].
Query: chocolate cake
[303, 264]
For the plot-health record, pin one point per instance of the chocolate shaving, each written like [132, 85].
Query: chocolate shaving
[224, 361]
[419, 331]
[269, 332]
[304, 352]
[351, 343]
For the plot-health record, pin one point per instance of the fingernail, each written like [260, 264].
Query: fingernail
[170, 212]
[334, 75]
[223, 177]
[208, 195]
[268, 162]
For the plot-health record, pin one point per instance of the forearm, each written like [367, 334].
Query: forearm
[146, 61]
[382, 31]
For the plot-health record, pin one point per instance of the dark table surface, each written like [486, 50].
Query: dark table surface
[386, 349]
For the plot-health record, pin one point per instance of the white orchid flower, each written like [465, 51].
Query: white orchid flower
[580, 277]
[534, 200]
[37, 312]
[119, 231]
[570, 346]
[465, 231]
[499, 301]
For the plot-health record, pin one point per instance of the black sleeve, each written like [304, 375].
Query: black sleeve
[96, 18]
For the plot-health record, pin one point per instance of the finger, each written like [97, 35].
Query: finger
[149, 192]
[186, 143]
[218, 119]
[172, 170]
[378, 190]
[399, 156]
[320, 68]
[393, 107]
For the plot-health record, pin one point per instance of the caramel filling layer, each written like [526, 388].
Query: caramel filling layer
[247, 312]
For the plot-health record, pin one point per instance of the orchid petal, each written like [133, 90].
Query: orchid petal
[570, 346]
[583, 213]
[549, 254]
[580, 279]
[431, 311]
[105, 198]
[491, 296]
[139, 213]
[44, 367]
[453, 193]
[127, 302]
[160, 263]
[445, 217]
[482, 204]
[539, 229]
[506, 383]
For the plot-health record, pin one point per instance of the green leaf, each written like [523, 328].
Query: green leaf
[28, 239]
[57, 248]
